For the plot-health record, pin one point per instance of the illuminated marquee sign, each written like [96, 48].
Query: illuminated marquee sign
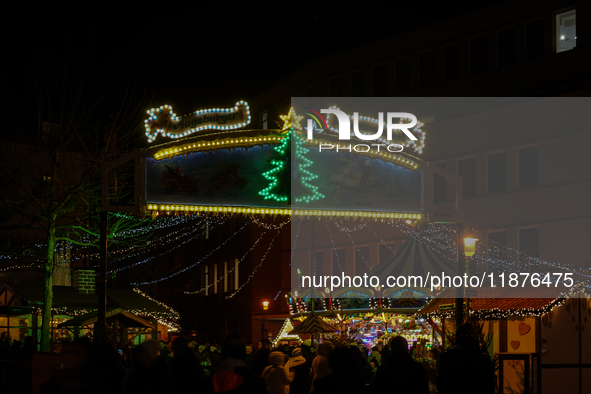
[163, 120]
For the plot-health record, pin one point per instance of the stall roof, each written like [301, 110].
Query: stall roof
[91, 318]
[490, 304]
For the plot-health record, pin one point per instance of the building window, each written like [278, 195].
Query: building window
[225, 276]
[467, 171]
[566, 31]
[440, 186]
[496, 173]
[403, 82]
[206, 279]
[215, 279]
[336, 87]
[534, 40]
[528, 167]
[264, 123]
[380, 81]
[427, 68]
[338, 261]
[236, 275]
[452, 65]
[478, 54]
[358, 84]
[506, 47]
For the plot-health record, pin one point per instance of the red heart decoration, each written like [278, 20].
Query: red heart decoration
[515, 344]
[523, 328]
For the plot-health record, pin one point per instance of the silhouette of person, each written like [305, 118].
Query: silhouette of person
[401, 374]
[464, 368]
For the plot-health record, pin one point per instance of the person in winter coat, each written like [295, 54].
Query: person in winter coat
[401, 374]
[299, 372]
[274, 375]
[232, 375]
[320, 365]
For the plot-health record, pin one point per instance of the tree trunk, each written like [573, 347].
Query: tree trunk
[48, 287]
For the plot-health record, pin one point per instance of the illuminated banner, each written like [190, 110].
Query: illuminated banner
[163, 120]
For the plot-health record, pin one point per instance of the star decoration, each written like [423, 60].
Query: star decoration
[291, 120]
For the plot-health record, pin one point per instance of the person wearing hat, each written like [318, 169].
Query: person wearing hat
[298, 369]
[274, 375]
[320, 366]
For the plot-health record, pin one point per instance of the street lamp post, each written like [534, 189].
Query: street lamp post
[466, 249]
[264, 323]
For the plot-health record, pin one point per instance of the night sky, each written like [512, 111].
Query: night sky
[191, 56]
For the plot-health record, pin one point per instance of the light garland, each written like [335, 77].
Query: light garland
[235, 210]
[159, 118]
[221, 278]
[255, 269]
[224, 143]
[194, 264]
[284, 333]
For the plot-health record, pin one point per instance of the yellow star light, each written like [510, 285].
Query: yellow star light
[291, 120]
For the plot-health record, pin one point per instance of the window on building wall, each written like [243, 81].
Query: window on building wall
[440, 186]
[358, 84]
[529, 246]
[566, 31]
[225, 276]
[427, 68]
[336, 87]
[380, 81]
[506, 47]
[452, 61]
[496, 172]
[478, 54]
[528, 167]
[317, 264]
[215, 279]
[338, 261]
[264, 123]
[236, 274]
[206, 279]
[534, 40]
[403, 82]
[467, 171]
[361, 260]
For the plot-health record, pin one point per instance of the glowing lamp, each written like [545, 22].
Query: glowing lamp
[470, 246]
[265, 305]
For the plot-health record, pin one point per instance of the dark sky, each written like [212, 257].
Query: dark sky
[196, 55]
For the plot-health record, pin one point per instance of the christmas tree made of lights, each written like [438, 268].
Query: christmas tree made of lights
[290, 176]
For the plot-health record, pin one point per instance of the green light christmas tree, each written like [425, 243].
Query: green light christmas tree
[290, 175]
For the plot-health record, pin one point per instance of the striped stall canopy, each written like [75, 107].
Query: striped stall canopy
[312, 325]
[413, 258]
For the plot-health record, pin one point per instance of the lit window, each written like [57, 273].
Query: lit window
[206, 277]
[225, 276]
[264, 123]
[236, 276]
[215, 279]
[566, 31]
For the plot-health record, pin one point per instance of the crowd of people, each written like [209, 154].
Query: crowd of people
[184, 367]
